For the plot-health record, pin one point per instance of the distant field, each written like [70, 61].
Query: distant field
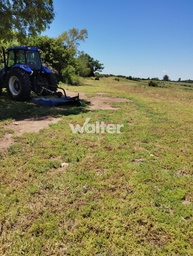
[127, 193]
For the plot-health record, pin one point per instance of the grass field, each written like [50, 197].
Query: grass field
[117, 194]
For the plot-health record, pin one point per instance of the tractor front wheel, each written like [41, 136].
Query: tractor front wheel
[18, 85]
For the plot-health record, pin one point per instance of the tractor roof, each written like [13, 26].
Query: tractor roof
[31, 48]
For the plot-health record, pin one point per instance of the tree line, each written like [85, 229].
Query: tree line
[21, 22]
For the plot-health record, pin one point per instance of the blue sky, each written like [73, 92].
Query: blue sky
[139, 38]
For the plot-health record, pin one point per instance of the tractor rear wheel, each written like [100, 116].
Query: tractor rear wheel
[52, 82]
[18, 85]
[46, 85]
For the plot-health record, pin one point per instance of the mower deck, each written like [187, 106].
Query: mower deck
[64, 100]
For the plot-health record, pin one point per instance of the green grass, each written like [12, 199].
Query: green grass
[121, 194]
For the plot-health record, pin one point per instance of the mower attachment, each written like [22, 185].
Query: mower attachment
[58, 99]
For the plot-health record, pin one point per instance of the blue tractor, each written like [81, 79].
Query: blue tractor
[23, 73]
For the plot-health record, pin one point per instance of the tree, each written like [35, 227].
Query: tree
[54, 53]
[87, 66]
[166, 78]
[19, 18]
[60, 53]
[71, 38]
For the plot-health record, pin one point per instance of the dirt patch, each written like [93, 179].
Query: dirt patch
[100, 101]
[6, 141]
[24, 126]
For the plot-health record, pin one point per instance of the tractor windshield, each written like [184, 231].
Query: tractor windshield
[33, 59]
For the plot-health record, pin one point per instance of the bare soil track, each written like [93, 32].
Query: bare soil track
[100, 101]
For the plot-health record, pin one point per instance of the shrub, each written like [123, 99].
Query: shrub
[153, 84]
[70, 77]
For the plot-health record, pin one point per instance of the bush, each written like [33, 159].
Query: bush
[69, 76]
[75, 80]
[153, 84]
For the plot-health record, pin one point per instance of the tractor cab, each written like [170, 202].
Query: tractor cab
[29, 56]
